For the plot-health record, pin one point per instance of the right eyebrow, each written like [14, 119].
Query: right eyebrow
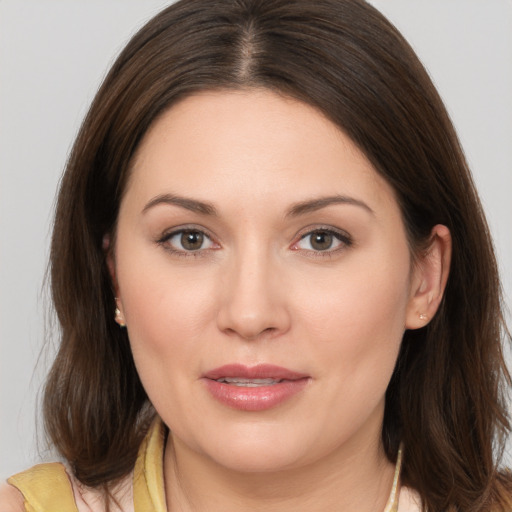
[184, 202]
[322, 202]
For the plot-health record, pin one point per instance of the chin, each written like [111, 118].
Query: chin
[259, 447]
[256, 458]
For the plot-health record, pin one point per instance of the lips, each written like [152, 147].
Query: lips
[250, 383]
[254, 388]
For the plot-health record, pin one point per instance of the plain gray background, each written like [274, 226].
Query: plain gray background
[53, 55]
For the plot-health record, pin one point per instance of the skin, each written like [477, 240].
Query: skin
[11, 499]
[259, 291]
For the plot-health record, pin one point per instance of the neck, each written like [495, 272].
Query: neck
[346, 480]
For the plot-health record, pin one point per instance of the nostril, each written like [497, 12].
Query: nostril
[252, 308]
[251, 334]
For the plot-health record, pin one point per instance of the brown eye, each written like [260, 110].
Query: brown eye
[321, 240]
[191, 240]
[187, 241]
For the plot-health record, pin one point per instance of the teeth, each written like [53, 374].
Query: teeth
[250, 383]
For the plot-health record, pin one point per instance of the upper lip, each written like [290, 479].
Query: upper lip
[260, 371]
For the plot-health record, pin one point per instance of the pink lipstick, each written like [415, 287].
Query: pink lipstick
[254, 388]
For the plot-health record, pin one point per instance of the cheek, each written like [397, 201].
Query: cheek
[360, 302]
[355, 321]
[167, 310]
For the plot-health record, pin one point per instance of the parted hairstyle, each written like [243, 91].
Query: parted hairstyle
[446, 401]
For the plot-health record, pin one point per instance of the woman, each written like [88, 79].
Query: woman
[275, 283]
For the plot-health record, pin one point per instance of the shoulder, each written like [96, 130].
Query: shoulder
[11, 500]
[52, 487]
[42, 488]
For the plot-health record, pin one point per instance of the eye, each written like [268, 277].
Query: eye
[322, 240]
[187, 240]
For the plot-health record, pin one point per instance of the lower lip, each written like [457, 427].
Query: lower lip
[254, 398]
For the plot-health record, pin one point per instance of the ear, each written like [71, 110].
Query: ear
[108, 249]
[429, 278]
[111, 264]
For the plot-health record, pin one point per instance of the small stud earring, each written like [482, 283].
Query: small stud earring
[423, 316]
[119, 317]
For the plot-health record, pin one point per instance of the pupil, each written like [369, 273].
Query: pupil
[192, 240]
[321, 241]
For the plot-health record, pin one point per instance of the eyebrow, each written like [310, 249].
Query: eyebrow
[296, 210]
[184, 202]
[322, 202]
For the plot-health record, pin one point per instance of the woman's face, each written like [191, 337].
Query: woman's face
[256, 243]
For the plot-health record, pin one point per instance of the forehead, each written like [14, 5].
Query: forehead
[218, 144]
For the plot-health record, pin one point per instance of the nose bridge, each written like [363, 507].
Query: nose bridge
[251, 303]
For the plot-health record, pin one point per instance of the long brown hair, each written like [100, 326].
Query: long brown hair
[446, 399]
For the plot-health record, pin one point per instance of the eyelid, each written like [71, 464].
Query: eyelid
[170, 233]
[341, 235]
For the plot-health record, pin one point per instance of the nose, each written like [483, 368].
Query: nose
[253, 301]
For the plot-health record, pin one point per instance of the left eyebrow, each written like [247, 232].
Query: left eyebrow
[183, 202]
[322, 202]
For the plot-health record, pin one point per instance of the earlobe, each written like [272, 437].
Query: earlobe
[429, 279]
[111, 264]
[119, 317]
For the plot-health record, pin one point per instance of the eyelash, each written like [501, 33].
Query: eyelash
[344, 239]
[165, 239]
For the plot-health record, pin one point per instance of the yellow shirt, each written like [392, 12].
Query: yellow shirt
[51, 488]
